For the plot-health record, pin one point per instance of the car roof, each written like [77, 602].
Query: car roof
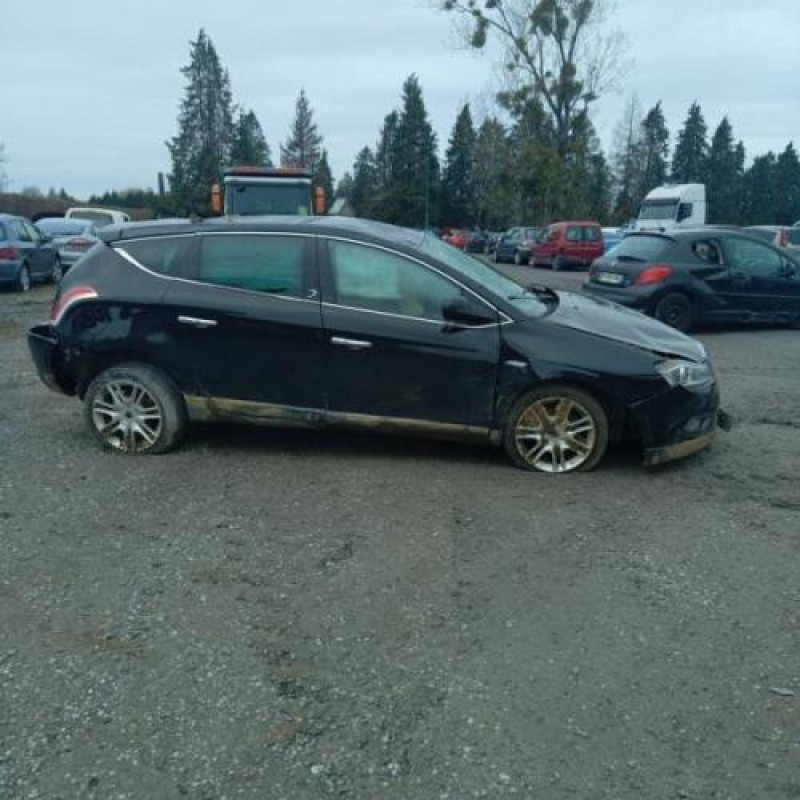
[336, 226]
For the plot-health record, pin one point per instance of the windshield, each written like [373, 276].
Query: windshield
[254, 199]
[659, 209]
[525, 301]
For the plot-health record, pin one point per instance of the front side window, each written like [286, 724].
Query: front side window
[754, 258]
[259, 263]
[573, 234]
[161, 255]
[373, 279]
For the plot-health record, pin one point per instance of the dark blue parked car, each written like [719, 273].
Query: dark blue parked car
[26, 254]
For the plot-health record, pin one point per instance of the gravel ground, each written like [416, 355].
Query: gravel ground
[284, 614]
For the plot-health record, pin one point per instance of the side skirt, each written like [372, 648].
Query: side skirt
[218, 409]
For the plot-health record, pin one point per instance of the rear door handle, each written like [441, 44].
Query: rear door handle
[196, 322]
[353, 344]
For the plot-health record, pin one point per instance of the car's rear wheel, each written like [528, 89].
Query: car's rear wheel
[675, 309]
[556, 429]
[24, 279]
[135, 409]
[57, 273]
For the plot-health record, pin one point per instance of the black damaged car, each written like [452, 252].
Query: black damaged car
[323, 322]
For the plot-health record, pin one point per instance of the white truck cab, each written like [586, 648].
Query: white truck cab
[681, 205]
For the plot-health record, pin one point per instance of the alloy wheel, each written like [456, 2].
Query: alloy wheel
[127, 416]
[555, 434]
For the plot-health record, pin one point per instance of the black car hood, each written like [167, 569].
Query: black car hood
[612, 321]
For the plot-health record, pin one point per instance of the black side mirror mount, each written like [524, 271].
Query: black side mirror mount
[467, 313]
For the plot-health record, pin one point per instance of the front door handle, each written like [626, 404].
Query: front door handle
[196, 322]
[353, 344]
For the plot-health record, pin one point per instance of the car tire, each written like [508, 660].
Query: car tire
[556, 429]
[135, 409]
[24, 279]
[57, 273]
[675, 309]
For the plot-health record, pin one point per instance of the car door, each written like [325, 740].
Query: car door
[762, 281]
[23, 241]
[391, 354]
[42, 254]
[248, 320]
[573, 247]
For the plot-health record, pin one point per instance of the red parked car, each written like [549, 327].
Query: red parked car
[568, 244]
[458, 239]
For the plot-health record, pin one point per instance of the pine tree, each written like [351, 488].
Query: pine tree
[539, 172]
[201, 150]
[628, 162]
[689, 162]
[383, 167]
[365, 192]
[724, 176]
[457, 178]
[303, 148]
[759, 196]
[324, 178]
[493, 176]
[654, 144]
[344, 187]
[787, 187]
[249, 143]
[413, 192]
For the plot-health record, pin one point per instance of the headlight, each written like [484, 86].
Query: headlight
[686, 373]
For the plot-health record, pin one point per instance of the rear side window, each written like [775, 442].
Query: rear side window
[592, 234]
[162, 255]
[273, 264]
[573, 234]
[642, 248]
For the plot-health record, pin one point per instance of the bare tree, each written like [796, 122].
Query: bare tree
[559, 51]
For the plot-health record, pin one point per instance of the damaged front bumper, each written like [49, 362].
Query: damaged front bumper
[653, 456]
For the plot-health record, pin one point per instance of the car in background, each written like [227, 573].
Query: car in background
[515, 245]
[477, 242]
[777, 235]
[100, 216]
[324, 322]
[26, 254]
[457, 238]
[692, 277]
[568, 244]
[611, 238]
[73, 237]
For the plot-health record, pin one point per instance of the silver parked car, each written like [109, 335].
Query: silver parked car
[72, 237]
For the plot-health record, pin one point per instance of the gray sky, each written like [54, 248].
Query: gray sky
[89, 91]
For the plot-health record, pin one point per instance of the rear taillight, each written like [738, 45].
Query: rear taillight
[78, 243]
[68, 299]
[783, 238]
[655, 274]
[9, 254]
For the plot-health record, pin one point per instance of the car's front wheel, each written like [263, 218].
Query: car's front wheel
[556, 429]
[135, 409]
